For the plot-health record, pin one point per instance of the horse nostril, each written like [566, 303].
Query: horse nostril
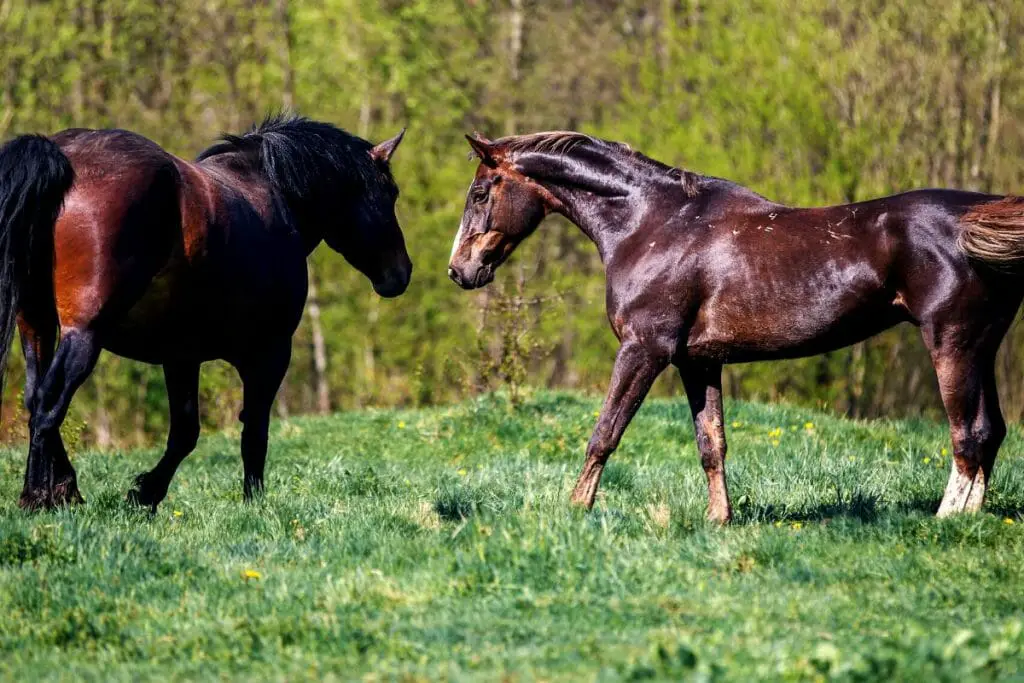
[455, 277]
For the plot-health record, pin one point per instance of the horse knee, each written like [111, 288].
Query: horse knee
[712, 460]
[711, 444]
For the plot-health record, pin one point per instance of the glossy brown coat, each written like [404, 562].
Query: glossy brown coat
[175, 263]
[702, 271]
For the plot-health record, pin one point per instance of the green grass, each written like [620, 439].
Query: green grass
[438, 544]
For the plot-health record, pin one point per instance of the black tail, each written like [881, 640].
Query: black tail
[34, 177]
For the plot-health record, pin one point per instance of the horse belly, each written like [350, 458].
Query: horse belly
[791, 322]
[157, 327]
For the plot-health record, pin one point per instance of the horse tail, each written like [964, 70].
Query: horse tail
[34, 177]
[993, 233]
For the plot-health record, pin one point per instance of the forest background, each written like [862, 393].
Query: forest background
[807, 102]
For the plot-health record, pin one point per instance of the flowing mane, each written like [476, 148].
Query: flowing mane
[306, 160]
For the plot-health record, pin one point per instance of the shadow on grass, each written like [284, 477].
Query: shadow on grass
[862, 507]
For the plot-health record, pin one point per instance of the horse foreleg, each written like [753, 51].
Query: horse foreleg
[634, 372]
[261, 378]
[182, 380]
[50, 479]
[704, 392]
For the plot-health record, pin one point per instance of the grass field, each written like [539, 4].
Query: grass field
[438, 544]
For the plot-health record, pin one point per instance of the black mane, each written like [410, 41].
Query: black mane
[307, 161]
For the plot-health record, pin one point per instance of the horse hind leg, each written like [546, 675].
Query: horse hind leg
[50, 479]
[967, 385]
[38, 343]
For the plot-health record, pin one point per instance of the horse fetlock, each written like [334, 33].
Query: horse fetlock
[66, 492]
[148, 490]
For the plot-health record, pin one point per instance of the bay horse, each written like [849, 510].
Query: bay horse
[702, 271]
[110, 242]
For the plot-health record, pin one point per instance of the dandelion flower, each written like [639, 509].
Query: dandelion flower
[798, 525]
[944, 451]
[926, 460]
[251, 574]
[808, 426]
[1008, 520]
[177, 513]
[401, 425]
[462, 472]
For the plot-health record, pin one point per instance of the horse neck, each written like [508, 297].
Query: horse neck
[608, 219]
[609, 202]
[253, 186]
[605, 220]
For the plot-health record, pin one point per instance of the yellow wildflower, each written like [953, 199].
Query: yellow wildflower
[251, 574]
[926, 460]
[1008, 520]
[944, 451]
[808, 426]
[462, 472]
[797, 525]
[177, 513]
[401, 425]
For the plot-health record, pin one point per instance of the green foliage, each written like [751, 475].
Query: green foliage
[438, 544]
[804, 101]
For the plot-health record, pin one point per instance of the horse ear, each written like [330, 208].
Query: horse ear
[483, 148]
[383, 151]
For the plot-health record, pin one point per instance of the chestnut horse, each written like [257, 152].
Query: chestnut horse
[110, 242]
[702, 271]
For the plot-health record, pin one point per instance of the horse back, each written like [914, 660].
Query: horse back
[752, 280]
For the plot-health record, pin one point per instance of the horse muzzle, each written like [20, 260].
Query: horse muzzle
[471, 280]
[394, 282]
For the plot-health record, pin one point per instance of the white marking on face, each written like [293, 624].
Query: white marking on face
[458, 238]
[462, 229]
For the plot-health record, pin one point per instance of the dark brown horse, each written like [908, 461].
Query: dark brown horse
[701, 272]
[109, 242]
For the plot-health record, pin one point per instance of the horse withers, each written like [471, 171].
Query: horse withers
[702, 271]
[110, 242]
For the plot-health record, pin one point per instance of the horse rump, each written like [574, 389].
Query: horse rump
[34, 177]
[993, 233]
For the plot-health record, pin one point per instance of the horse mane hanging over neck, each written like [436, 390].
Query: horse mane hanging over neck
[579, 146]
[305, 160]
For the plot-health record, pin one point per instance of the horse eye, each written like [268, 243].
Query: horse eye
[479, 196]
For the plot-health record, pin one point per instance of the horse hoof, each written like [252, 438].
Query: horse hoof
[721, 518]
[142, 493]
[35, 499]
